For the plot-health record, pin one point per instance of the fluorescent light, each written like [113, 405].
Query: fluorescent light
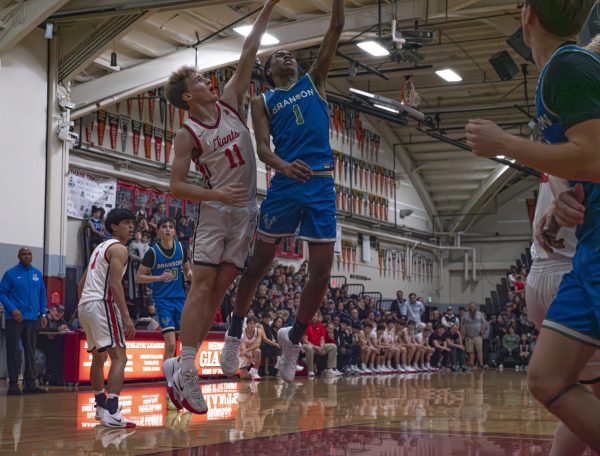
[501, 157]
[373, 48]
[360, 92]
[267, 39]
[387, 108]
[449, 75]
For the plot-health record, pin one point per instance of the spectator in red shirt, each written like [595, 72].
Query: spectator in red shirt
[314, 344]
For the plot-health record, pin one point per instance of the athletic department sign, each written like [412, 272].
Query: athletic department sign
[84, 191]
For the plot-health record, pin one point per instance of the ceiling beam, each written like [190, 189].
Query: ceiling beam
[286, 11]
[321, 5]
[23, 19]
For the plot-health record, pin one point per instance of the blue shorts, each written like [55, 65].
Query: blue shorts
[575, 312]
[169, 313]
[295, 209]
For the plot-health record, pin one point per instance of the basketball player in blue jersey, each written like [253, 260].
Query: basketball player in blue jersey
[301, 198]
[568, 108]
[165, 269]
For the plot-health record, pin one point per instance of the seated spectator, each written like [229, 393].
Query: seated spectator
[524, 352]
[261, 305]
[422, 338]
[524, 323]
[348, 349]
[269, 348]
[184, 234]
[56, 321]
[314, 344]
[354, 318]
[458, 354]
[414, 351]
[439, 341]
[510, 346]
[329, 308]
[436, 318]
[368, 352]
[250, 355]
[450, 319]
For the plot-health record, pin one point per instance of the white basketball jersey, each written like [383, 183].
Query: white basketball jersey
[226, 151]
[96, 283]
[545, 198]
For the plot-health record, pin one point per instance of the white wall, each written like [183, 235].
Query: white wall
[23, 94]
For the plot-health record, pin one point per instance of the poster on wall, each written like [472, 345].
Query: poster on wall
[366, 248]
[175, 207]
[84, 191]
[124, 196]
[191, 210]
[142, 200]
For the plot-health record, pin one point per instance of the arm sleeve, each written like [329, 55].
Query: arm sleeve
[149, 259]
[42, 298]
[5, 286]
[572, 88]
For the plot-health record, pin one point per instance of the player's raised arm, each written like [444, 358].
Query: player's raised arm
[237, 86]
[319, 70]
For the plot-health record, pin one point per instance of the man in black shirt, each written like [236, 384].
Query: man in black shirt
[439, 341]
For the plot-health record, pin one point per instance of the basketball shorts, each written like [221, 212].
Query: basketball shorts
[559, 298]
[474, 344]
[224, 234]
[169, 314]
[101, 321]
[306, 210]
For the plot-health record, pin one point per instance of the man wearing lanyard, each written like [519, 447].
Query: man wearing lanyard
[23, 294]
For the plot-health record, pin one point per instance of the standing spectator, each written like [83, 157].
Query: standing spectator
[472, 328]
[510, 346]
[399, 304]
[184, 234]
[314, 344]
[137, 249]
[96, 226]
[23, 294]
[269, 348]
[450, 319]
[56, 320]
[415, 309]
[159, 214]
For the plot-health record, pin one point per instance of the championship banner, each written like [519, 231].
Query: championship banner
[84, 191]
[171, 115]
[136, 128]
[124, 121]
[158, 141]
[151, 104]
[101, 126]
[140, 100]
[168, 143]
[148, 140]
[129, 106]
[89, 127]
[113, 123]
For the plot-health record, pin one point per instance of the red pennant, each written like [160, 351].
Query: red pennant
[181, 117]
[89, 126]
[101, 126]
[140, 99]
[151, 104]
[113, 123]
[129, 106]
[158, 140]
[171, 115]
[136, 128]
[148, 141]
[168, 143]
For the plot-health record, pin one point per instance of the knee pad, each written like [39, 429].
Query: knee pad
[560, 394]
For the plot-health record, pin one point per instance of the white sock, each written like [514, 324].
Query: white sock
[188, 358]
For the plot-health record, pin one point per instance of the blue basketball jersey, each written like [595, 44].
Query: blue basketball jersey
[299, 124]
[173, 264]
[550, 124]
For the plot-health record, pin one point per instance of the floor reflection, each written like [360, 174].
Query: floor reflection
[424, 414]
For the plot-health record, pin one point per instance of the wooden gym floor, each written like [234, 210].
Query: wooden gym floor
[477, 413]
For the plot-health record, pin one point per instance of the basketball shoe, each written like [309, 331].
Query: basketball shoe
[186, 388]
[289, 355]
[230, 355]
[170, 366]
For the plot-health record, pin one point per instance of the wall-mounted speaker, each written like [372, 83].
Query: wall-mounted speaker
[504, 65]
[517, 42]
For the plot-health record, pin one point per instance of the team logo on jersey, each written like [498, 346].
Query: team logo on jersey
[269, 221]
[35, 277]
[165, 321]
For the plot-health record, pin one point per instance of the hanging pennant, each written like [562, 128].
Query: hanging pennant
[353, 247]
[344, 255]
[129, 106]
[181, 117]
[124, 125]
[394, 265]
[148, 141]
[403, 265]
[101, 126]
[158, 140]
[151, 104]
[136, 129]
[380, 262]
[89, 127]
[113, 125]
[141, 101]
[168, 143]
[162, 102]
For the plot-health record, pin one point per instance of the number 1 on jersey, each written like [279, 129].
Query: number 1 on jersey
[299, 118]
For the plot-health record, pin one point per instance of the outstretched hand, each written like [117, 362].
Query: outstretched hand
[485, 138]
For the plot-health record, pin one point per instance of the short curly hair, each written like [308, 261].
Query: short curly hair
[563, 18]
[177, 85]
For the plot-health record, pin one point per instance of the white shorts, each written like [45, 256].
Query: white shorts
[224, 234]
[542, 285]
[102, 324]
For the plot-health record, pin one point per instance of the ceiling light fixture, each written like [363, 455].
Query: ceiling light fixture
[267, 39]
[449, 75]
[361, 93]
[373, 48]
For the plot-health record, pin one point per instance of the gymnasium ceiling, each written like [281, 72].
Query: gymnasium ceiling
[152, 37]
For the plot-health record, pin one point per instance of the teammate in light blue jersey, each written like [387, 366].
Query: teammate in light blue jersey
[301, 198]
[165, 269]
[568, 108]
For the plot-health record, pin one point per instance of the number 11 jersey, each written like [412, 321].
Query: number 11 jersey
[226, 153]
